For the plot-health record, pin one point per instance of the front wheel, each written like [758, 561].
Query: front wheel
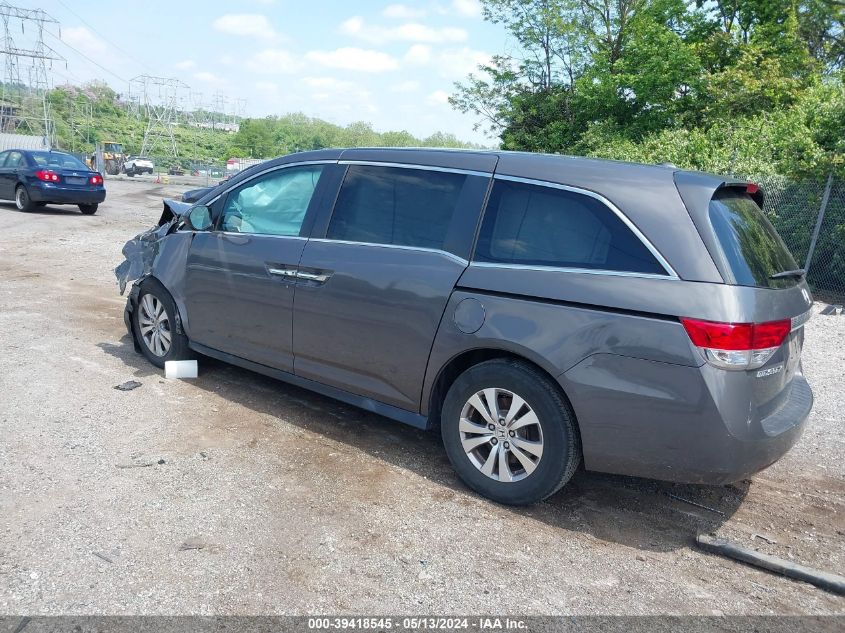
[154, 322]
[22, 200]
[88, 209]
[509, 432]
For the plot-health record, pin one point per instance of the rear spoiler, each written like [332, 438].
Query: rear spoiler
[697, 190]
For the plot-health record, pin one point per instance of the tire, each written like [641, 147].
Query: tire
[152, 294]
[40, 204]
[554, 433]
[22, 200]
[88, 209]
[130, 172]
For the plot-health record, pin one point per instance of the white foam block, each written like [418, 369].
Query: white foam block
[180, 369]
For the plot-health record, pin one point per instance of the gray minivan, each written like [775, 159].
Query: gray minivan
[541, 311]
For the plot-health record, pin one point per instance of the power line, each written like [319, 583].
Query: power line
[88, 24]
[81, 54]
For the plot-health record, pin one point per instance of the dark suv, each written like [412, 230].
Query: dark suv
[540, 310]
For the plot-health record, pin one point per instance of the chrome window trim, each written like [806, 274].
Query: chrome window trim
[239, 234]
[451, 170]
[671, 274]
[267, 171]
[403, 247]
[560, 269]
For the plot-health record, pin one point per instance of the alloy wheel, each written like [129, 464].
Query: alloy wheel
[501, 435]
[154, 325]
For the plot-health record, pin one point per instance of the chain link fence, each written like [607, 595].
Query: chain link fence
[800, 210]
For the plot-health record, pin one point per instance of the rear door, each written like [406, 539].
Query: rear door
[751, 254]
[241, 276]
[377, 274]
[9, 174]
[7, 191]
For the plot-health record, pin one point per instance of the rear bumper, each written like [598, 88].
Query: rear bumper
[661, 421]
[45, 192]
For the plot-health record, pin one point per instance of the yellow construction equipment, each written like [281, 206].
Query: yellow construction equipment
[112, 157]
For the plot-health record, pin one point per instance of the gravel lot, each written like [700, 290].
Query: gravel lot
[236, 494]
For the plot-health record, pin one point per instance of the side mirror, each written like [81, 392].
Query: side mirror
[199, 218]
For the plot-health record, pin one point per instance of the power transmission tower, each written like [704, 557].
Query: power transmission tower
[159, 99]
[24, 107]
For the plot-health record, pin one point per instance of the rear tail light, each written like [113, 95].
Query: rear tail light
[96, 179]
[737, 345]
[47, 176]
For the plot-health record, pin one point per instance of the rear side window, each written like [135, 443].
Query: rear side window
[751, 247]
[396, 205]
[544, 226]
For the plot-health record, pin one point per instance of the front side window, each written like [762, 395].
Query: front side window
[274, 204]
[396, 205]
[544, 226]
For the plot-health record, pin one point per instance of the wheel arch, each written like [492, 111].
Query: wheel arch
[180, 327]
[462, 361]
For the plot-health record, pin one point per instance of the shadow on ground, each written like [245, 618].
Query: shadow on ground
[638, 513]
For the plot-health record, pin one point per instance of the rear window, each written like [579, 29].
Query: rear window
[57, 159]
[752, 248]
[528, 224]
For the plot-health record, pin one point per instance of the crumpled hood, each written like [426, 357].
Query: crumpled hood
[141, 251]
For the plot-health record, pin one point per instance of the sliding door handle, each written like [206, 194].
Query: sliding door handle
[287, 273]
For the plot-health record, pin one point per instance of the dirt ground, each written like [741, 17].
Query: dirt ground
[236, 494]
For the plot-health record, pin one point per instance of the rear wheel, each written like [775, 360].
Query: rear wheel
[509, 432]
[154, 323]
[130, 172]
[22, 200]
[88, 209]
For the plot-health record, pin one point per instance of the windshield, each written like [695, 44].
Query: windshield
[752, 248]
[57, 159]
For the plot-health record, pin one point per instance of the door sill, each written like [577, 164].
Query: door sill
[368, 404]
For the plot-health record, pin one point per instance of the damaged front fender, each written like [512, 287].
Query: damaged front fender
[142, 251]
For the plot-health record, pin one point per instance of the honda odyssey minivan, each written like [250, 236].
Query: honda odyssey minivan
[540, 311]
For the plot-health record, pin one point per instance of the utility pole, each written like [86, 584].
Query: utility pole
[24, 107]
[159, 99]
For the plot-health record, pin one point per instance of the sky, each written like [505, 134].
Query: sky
[391, 64]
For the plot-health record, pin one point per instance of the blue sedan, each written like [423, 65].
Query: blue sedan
[35, 178]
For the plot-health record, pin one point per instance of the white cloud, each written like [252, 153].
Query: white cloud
[438, 97]
[333, 92]
[410, 32]
[458, 63]
[467, 8]
[273, 61]
[187, 64]
[83, 39]
[247, 24]
[402, 12]
[451, 63]
[208, 77]
[350, 58]
[405, 86]
[418, 54]
[266, 86]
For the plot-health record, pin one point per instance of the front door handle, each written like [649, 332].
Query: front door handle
[320, 278]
